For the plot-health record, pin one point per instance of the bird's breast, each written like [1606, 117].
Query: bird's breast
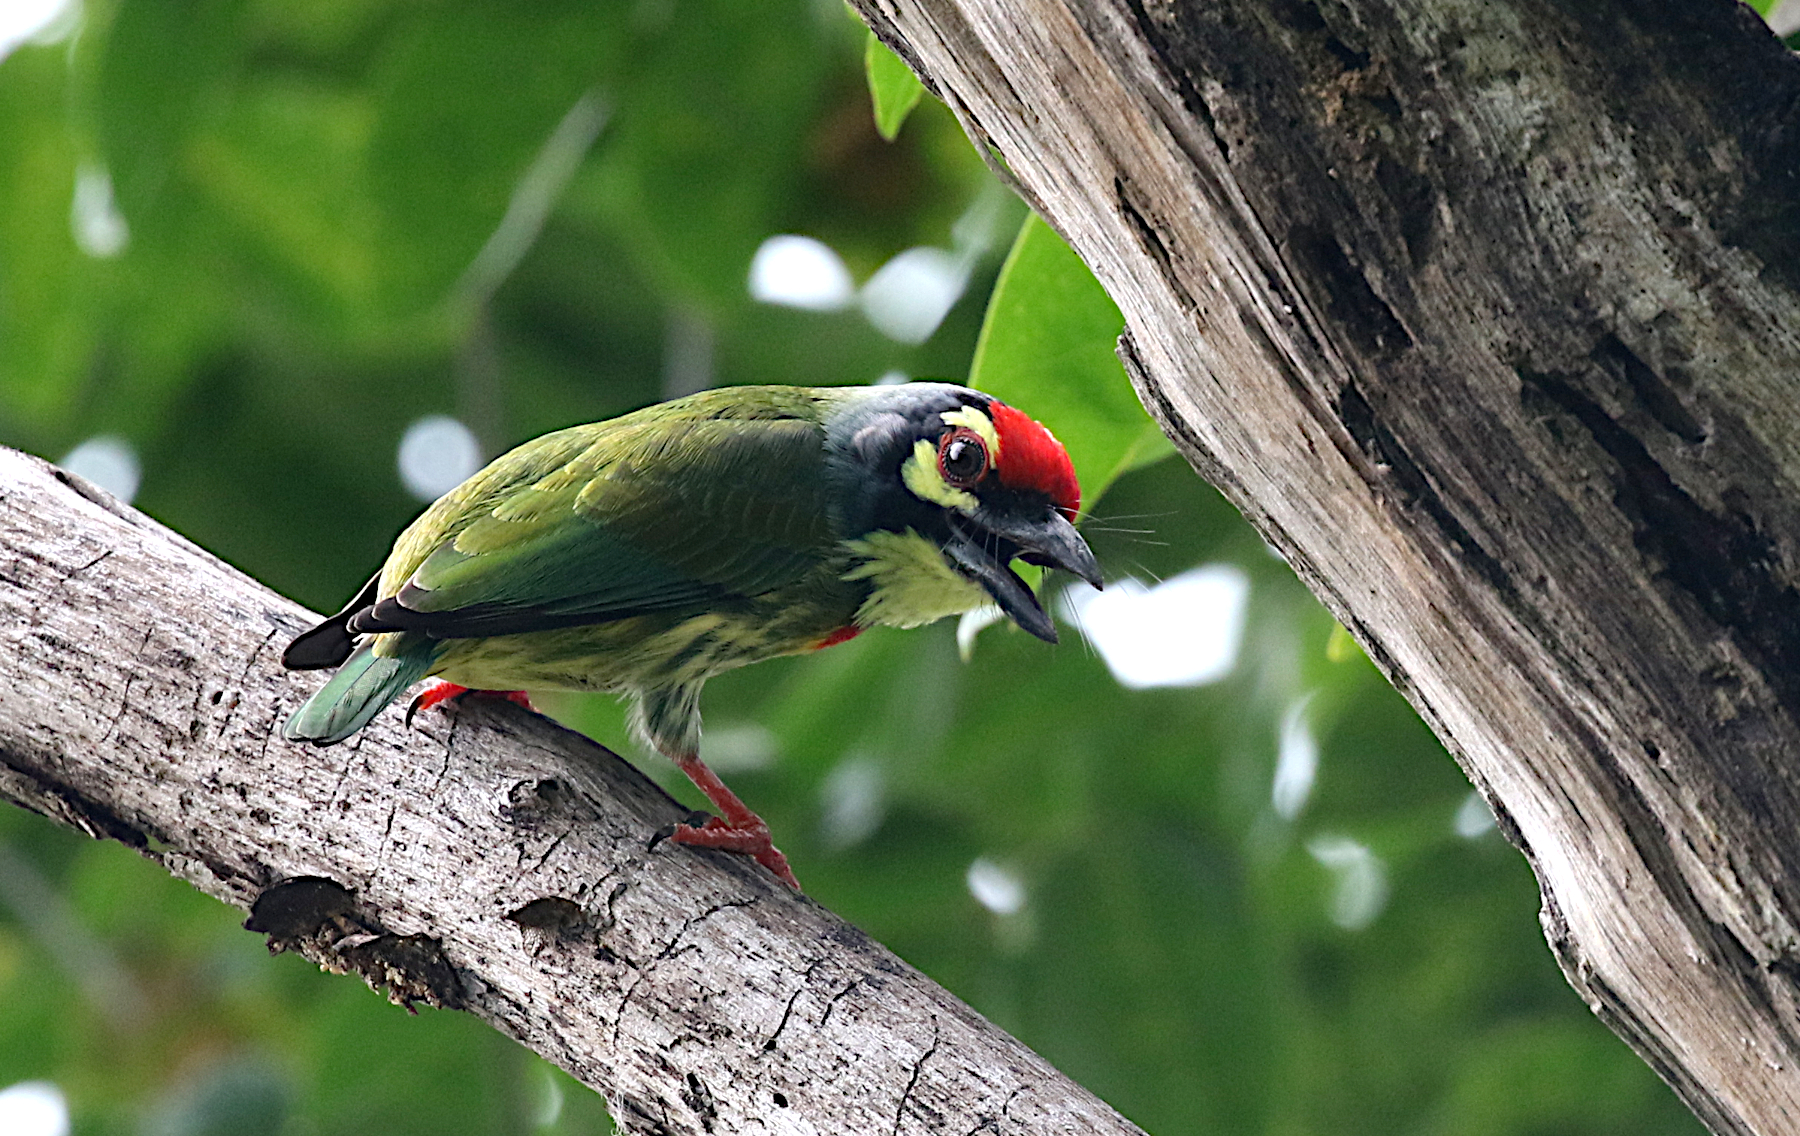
[662, 649]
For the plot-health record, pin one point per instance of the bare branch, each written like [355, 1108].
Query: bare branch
[486, 861]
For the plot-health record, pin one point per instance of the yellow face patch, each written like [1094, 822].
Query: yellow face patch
[973, 419]
[920, 473]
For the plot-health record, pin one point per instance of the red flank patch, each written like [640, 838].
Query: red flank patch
[841, 635]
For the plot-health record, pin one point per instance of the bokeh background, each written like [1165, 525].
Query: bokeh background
[279, 272]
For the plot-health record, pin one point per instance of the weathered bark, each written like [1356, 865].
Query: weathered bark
[1485, 314]
[485, 859]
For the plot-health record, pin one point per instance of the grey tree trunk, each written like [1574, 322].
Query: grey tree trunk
[1485, 313]
[484, 860]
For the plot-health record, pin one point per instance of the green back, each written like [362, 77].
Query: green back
[695, 503]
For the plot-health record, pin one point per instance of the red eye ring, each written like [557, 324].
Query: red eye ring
[962, 457]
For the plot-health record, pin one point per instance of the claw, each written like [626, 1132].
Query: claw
[433, 696]
[737, 829]
[442, 692]
[699, 818]
[750, 840]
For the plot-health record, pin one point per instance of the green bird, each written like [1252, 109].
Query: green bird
[649, 552]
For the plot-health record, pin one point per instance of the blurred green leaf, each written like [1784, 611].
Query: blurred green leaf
[472, 79]
[892, 85]
[1047, 346]
[46, 325]
[708, 141]
[240, 1098]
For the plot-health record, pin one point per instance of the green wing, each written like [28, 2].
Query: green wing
[689, 505]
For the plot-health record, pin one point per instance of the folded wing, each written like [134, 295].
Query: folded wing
[644, 515]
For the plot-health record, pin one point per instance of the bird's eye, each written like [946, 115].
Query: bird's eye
[962, 458]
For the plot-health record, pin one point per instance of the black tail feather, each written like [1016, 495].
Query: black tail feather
[331, 642]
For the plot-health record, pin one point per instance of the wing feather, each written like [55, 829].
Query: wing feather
[647, 513]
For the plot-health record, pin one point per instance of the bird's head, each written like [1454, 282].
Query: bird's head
[982, 481]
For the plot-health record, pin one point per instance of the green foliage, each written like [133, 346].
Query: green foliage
[1047, 346]
[893, 87]
[305, 188]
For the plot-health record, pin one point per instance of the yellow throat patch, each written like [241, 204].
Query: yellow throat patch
[914, 585]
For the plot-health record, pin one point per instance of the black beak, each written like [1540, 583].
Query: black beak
[982, 546]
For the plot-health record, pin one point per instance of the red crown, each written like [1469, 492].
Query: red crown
[1031, 458]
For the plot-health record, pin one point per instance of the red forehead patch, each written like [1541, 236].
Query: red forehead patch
[1031, 458]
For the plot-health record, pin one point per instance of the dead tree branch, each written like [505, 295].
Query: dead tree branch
[486, 860]
[1486, 315]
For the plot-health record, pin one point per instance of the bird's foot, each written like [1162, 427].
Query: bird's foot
[433, 696]
[737, 830]
[749, 839]
[442, 692]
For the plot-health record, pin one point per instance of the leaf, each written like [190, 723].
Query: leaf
[48, 328]
[892, 85]
[469, 99]
[1047, 348]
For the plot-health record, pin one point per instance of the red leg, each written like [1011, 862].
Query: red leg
[735, 829]
[443, 692]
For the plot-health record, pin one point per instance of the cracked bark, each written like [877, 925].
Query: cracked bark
[485, 860]
[1485, 314]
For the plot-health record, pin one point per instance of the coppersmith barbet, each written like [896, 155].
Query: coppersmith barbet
[647, 553]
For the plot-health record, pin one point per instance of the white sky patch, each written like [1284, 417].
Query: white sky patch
[33, 1108]
[35, 21]
[909, 296]
[854, 796]
[437, 453]
[108, 461]
[892, 378]
[799, 272]
[1296, 763]
[998, 889]
[1360, 888]
[1473, 819]
[94, 218]
[1184, 631]
[1784, 18]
